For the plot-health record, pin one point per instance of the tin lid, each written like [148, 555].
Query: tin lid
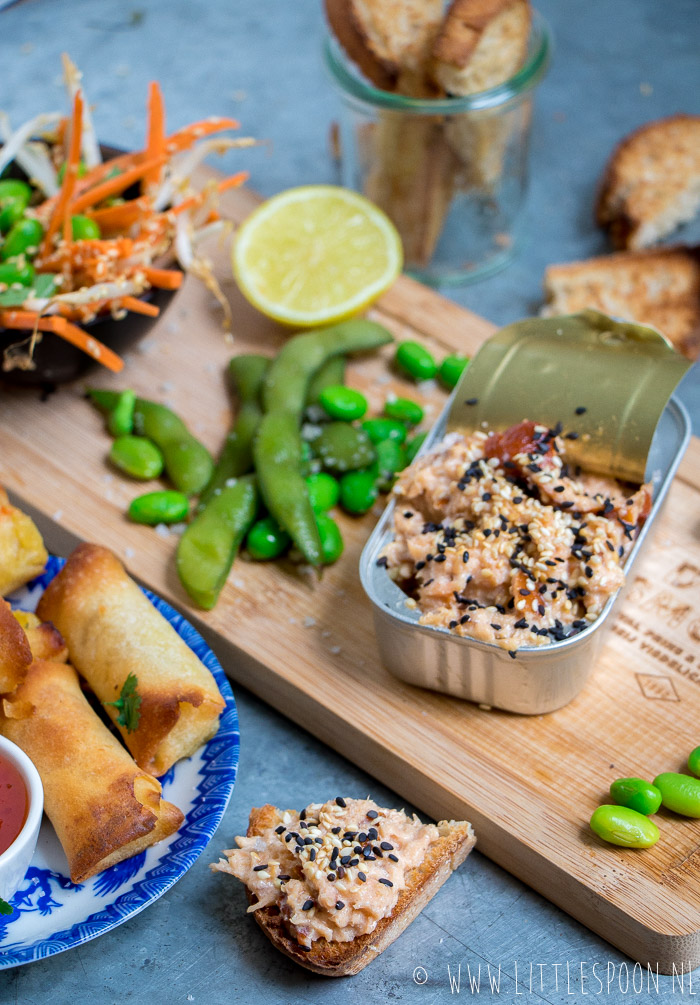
[606, 381]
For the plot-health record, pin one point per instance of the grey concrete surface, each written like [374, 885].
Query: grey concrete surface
[617, 63]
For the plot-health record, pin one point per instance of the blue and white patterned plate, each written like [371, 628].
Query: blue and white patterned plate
[52, 914]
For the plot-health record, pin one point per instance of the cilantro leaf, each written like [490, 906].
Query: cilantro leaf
[13, 297]
[5, 908]
[44, 285]
[128, 703]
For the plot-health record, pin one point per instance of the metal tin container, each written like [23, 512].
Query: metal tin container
[540, 679]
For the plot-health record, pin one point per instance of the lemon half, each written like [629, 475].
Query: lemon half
[316, 254]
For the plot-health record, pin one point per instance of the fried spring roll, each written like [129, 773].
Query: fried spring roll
[15, 654]
[45, 640]
[113, 631]
[22, 552]
[103, 808]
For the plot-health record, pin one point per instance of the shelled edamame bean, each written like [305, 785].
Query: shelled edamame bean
[153, 508]
[622, 826]
[137, 457]
[637, 794]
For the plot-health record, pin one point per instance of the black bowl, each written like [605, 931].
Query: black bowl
[57, 361]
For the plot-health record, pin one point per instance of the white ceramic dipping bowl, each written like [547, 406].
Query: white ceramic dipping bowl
[14, 862]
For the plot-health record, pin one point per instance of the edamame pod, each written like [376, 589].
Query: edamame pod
[694, 761]
[624, 827]
[287, 381]
[206, 550]
[188, 463]
[680, 793]
[120, 418]
[343, 447]
[136, 456]
[246, 373]
[159, 507]
[391, 458]
[277, 445]
[277, 453]
[637, 794]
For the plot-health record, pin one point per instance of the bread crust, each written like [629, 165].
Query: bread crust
[658, 287]
[651, 182]
[344, 959]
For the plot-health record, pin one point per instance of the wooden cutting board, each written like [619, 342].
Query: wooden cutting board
[529, 785]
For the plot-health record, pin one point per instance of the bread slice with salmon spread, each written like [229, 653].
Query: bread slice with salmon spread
[651, 184]
[334, 885]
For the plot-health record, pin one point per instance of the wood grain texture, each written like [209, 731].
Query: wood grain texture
[527, 784]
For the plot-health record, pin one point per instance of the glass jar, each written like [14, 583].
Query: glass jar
[450, 172]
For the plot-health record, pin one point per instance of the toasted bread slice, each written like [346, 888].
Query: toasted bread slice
[652, 182]
[659, 287]
[481, 44]
[343, 26]
[342, 959]
[399, 33]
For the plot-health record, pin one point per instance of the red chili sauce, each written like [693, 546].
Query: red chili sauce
[14, 803]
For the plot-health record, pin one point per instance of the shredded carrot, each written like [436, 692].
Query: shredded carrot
[183, 139]
[70, 332]
[155, 134]
[113, 186]
[137, 306]
[235, 181]
[163, 279]
[61, 207]
[124, 215]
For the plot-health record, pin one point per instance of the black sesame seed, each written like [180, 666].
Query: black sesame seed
[486, 496]
[305, 949]
[394, 858]
[487, 532]
[283, 879]
[386, 882]
[382, 562]
[463, 620]
[302, 815]
[441, 558]
[362, 837]
[496, 628]
[308, 841]
[312, 855]
[571, 436]
[353, 862]
[335, 830]
[566, 505]
[588, 571]
[560, 488]
[259, 868]
[465, 556]
[331, 877]
[307, 905]
[522, 623]
[289, 837]
[339, 801]
[517, 500]
[280, 829]
[581, 410]
[540, 608]
[372, 814]
[472, 401]
[362, 878]
[420, 565]
[340, 872]
[453, 624]
[511, 653]
[372, 834]
[610, 545]
[339, 905]
[524, 593]
[408, 514]
[386, 846]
